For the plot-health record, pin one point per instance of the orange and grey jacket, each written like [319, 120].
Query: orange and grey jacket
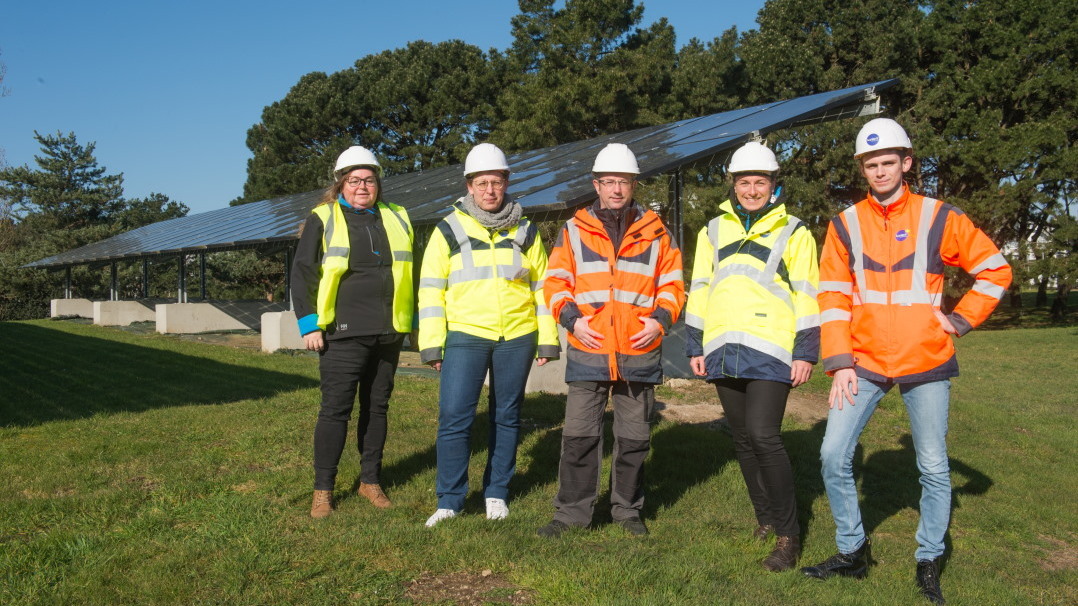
[881, 281]
[616, 286]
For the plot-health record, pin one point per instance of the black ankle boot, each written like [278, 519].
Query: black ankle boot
[845, 564]
[928, 579]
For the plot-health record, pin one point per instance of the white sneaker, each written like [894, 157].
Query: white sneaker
[497, 509]
[441, 514]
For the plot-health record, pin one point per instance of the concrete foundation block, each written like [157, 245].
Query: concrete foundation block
[122, 313]
[280, 331]
[83, 308]
[213, 315]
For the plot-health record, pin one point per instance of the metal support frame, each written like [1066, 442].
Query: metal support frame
[145, 278]
[181, 285]
[289, 252]
[67, 282]
[114, 294]
[202, 274]
[675, 188]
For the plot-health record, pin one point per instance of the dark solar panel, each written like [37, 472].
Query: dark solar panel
[548, 179]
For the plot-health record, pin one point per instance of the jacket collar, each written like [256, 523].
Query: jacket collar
[894, 208]
[775, 215]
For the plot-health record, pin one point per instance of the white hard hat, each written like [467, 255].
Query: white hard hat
[616, 158]
[753, 157]
[881, 133]
[355, 157]
[483, 157]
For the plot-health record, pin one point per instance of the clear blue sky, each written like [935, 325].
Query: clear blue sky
[167, 90]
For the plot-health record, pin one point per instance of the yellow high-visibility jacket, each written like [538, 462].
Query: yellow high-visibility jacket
[752, 305]
[335, 250]
[483, 283]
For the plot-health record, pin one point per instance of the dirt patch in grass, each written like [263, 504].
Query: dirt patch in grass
[1060, 555]
[695, 402]
[467, 589]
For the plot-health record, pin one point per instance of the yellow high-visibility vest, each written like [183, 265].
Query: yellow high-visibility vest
[335, 250]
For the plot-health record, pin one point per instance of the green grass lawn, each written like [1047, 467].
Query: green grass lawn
[143, 469]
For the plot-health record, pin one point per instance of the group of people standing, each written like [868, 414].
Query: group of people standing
[760, 310]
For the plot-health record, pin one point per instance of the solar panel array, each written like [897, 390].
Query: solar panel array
[543, 180]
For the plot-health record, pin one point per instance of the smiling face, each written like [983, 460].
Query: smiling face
[488, 189]
[753, 190]
[884, 169]
[360, 188]
[615, 189]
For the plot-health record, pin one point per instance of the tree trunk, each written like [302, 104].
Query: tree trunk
[1015, 296]
[1042, 293]
[1059, 305]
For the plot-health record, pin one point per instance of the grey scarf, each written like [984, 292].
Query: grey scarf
[508, 216]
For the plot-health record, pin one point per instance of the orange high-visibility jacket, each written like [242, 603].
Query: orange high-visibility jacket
[881, 280]
[643, 279]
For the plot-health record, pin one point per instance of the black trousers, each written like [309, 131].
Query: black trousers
[358, 364]
[755, 409]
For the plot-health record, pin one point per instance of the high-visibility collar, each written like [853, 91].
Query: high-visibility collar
[893, 208]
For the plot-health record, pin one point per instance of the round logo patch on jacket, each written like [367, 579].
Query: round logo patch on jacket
[901, 235]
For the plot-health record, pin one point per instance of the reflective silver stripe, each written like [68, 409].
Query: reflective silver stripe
[439, 283]
[431, 312]
[918, 292]
[561, 295]
[877, 297]
[593, 296]
[994, 262]
[695, 321]
[402, 255]
[583, 267]
[699, 283]
[537, 285]
[667, 297]
[335, 251]
[835, 315]
[400, 219]
[633, 298]
[646, 268]
[807, 322]
[542, 310]
[804, 286]
[759, 276]
[749, 340]
[563, 274]
[845, 288]
[464, 243]
[910, 297]
[987, 288]
[469, 274]
[513, 273]
[674, 276]
[327, 237]
[857, 251]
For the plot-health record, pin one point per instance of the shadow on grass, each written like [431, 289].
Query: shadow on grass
[53, 375]
[891, 483]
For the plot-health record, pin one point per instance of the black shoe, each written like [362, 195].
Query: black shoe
[844, 564]
[635, 526]
[552, 530]
[928, 579]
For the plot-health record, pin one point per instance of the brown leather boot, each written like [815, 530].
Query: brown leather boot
[322, 504]
[374, 494]
[763, 532]
[785, 554]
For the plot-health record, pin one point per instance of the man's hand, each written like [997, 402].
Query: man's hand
[843, 386]
[541, 361]
[696, 363]
[800, 372]
[583, 333]
[436, 365]
[945, 323]
[314, 341]
[651, 331]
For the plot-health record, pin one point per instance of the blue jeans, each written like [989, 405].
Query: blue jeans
[927, 406]
[467, 360]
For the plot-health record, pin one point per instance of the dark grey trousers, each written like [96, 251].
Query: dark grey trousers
[582, 449]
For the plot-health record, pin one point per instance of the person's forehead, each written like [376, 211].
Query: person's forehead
[882, 155]
[626, 176]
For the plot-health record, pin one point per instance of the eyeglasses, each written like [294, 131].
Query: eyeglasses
[356, 181]
[486, 184]
[612, 183]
